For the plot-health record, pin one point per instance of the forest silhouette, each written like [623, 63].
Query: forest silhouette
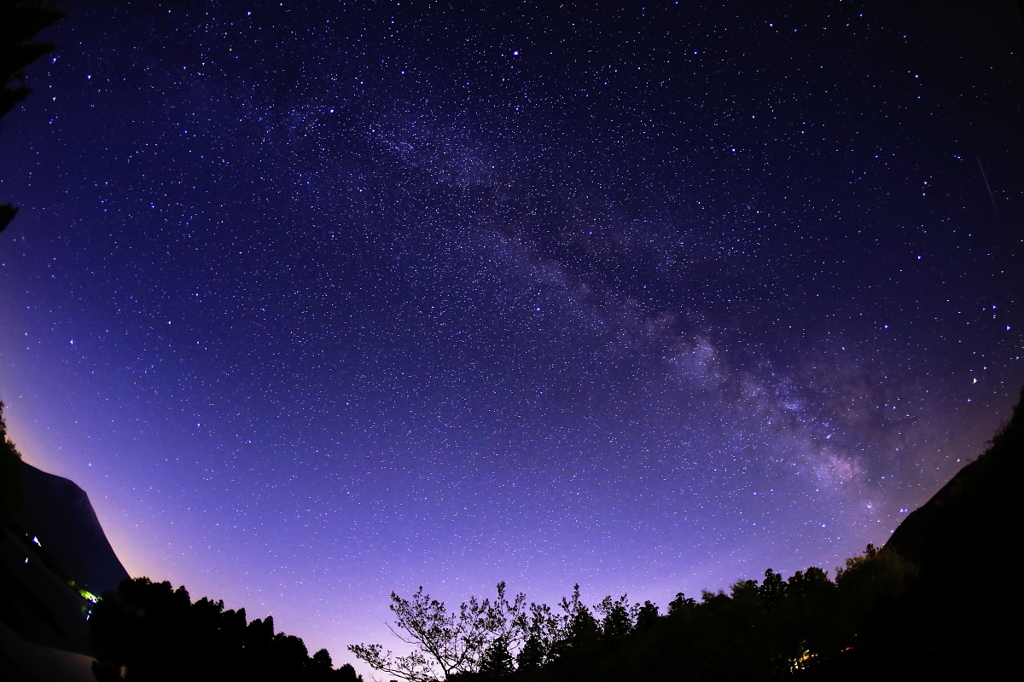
[936, 600]
[763, 630]
[153, 632]
[940, 599]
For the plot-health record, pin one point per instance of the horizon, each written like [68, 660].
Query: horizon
[322, 303]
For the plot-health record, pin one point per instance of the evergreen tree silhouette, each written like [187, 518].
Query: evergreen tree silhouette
[20, 21]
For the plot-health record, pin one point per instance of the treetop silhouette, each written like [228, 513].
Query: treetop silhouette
[20, 21]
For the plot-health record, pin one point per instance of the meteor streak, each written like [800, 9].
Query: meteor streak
[987, 186]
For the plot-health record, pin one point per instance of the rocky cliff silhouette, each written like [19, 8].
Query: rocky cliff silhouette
[57, 512]
[54, 560]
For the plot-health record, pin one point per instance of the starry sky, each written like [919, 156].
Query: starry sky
[319, 301]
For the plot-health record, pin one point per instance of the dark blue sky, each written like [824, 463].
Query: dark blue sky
[322, 301]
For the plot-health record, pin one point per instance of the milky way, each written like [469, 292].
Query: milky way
[319, 302]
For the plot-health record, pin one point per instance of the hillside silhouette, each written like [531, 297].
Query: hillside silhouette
[962, 612]
[54, 561]
[939, 600]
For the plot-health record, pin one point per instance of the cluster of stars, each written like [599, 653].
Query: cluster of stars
[345, 300]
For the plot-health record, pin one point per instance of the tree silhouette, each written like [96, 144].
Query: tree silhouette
[501, 637]
[886, 610]
[758, 631]
[11, 487]
[20, 21]
[447, 643]
[151, 632]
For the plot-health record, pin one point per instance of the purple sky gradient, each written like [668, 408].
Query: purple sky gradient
[321, 301]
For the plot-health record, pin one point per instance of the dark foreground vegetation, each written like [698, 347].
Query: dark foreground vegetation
[20, 21]
[143, 631]
[150, 632]
[11, 487]
[760, 630]
[941, 600]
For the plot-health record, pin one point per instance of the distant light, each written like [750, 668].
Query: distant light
[36, 541]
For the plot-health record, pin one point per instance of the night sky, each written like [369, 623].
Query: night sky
[319, 301]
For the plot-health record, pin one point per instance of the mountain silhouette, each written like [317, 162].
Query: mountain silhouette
[961, 616]
[57, 512]
[54, 560]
